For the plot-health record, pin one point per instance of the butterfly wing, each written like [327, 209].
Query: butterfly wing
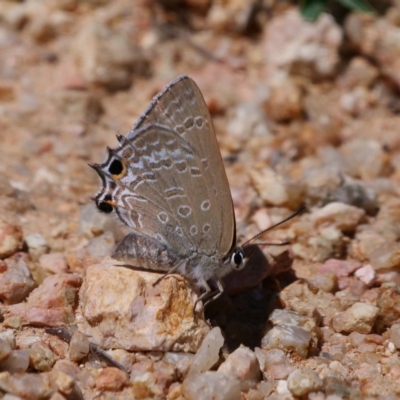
[166, 180]
[180, 107]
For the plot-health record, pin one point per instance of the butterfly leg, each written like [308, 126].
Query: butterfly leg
[209, 295]
[216, 293]
[171, 271]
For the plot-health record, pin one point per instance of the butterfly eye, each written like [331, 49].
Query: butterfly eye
[238, 260]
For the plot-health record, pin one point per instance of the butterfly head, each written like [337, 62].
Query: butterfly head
[238, 259]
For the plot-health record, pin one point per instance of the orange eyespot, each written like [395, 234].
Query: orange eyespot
[116, 168]
[105, 207]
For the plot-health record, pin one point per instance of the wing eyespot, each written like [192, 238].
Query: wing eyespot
[116, 168]
[105, 207]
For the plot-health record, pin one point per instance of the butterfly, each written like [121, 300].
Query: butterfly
[166, 181]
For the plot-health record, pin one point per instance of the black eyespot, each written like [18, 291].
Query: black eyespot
[238, 258]
[105, 207]
[115, 167]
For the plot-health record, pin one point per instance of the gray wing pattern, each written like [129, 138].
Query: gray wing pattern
[181, 107]
[166, 180]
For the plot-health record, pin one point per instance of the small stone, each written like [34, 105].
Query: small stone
[45, 26]
[121, 300]
[360, 317]
[388, 276]
[112, 379]
[374, 338]
[64, 383]
[78, 346]
[248, 120]
[287, 338]
[364, 158]
[356, 101]
[82, 107]
[181, 362]
[370, 357]
[6, 190]
[10, 239]
[164, 373]
[359, 73]
[367, 348]
[5, 349]
[395, 335]
[338, 369]
[9, 336]
[8, 396]
[275, 189]
[356, 194]
[288, 318]
[16, 280]
[145, 385]
[327, 282]
[57, 396]
[284, 99]
[14, 16]
[101, 246]
[385, 256]
[388, 302]
[326, 242]
[151, 379]
[302, 382]
[310, 49]
[366, 241]
[91, 222]
[342, 216]
[292, 318]
[37, 245]
[68, 367]
[113, 57]
[282, 389]
[26, 386]
[58, 346]
[208, 353]
[41, 358]
[274, 363]
[340, 268]
[175, 391]
[123, 357]
[366, 274]
[379, 45]
[16, 362]
[211, 385]
[385, 222]
[263, 389]
[51, 304]
[320, 182]
[29, 339]
[300, 297]
[241, 364]
[357, 339]
[54, 263]
[228, 17]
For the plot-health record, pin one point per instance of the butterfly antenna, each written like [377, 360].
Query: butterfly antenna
[295, 214]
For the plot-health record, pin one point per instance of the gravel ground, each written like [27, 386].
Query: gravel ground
[305, 114]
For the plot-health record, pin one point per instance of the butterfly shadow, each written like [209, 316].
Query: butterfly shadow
[250, 296]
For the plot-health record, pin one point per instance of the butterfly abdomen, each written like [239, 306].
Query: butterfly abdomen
[144, 252]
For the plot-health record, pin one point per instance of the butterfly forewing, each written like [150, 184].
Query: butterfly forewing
[160, 195]
[181, 108]
[166, 180]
